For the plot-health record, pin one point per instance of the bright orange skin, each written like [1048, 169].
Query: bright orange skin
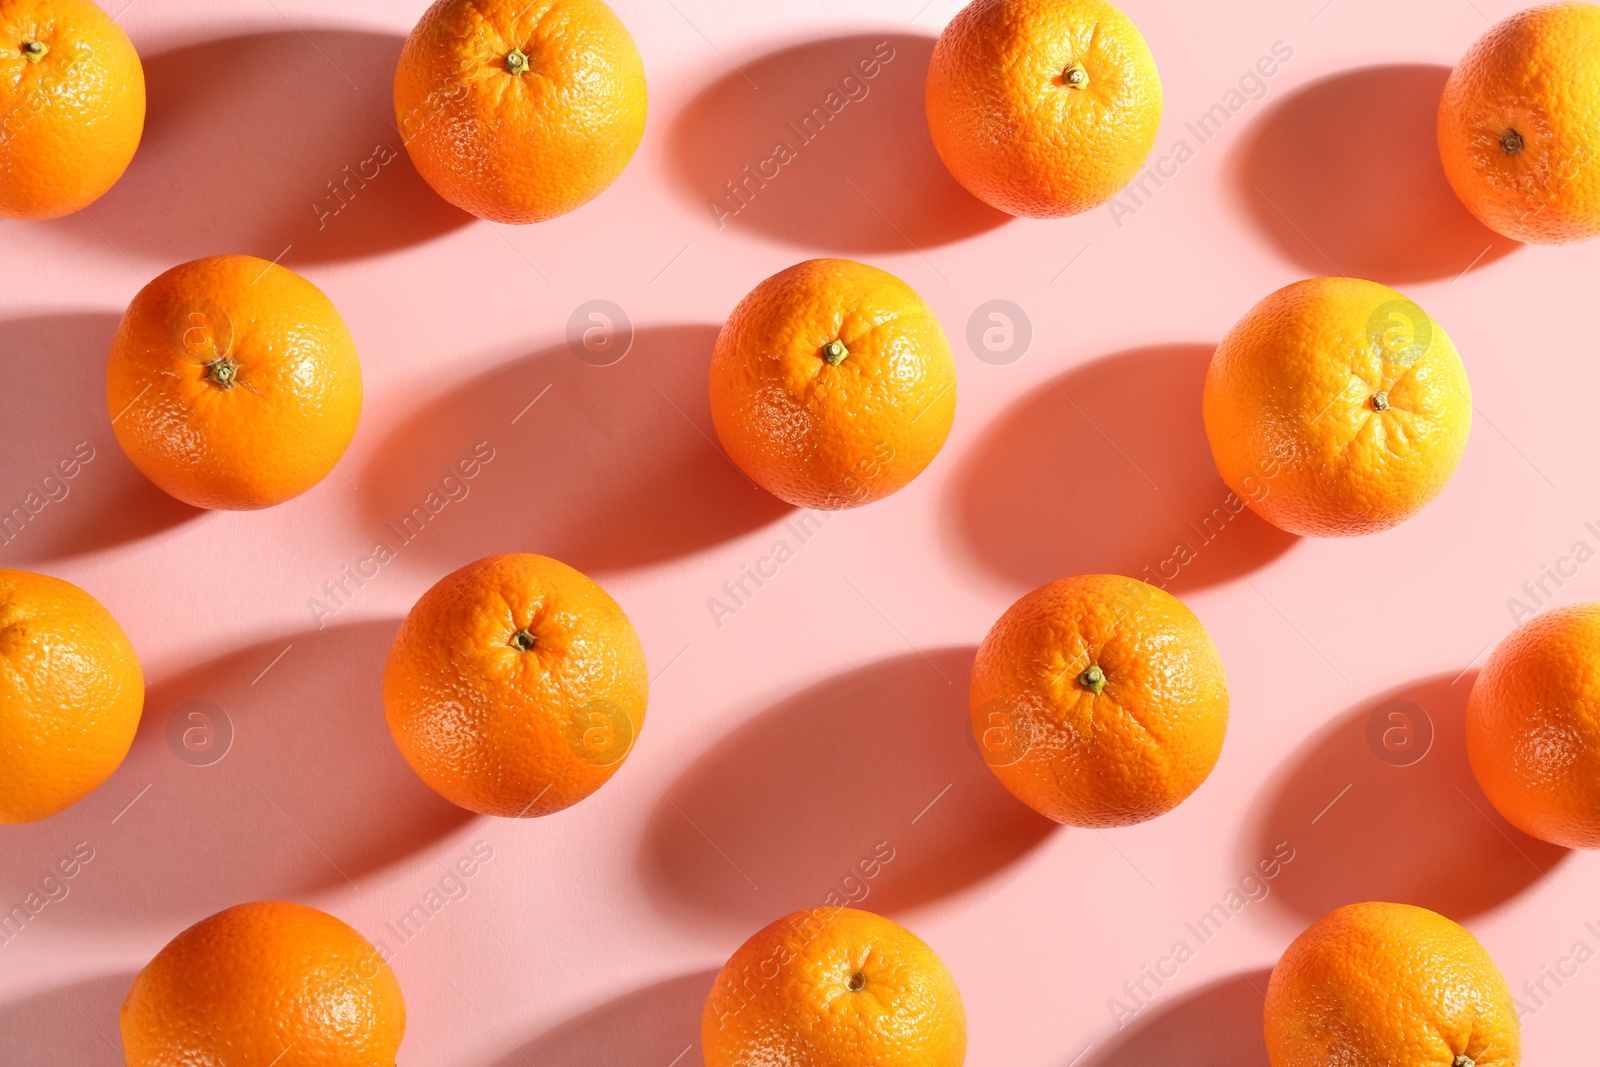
[502, 731]
[71, 121]
[265, 983]
[1389, 985]
[1013, 129]
[520, 148]
[1533, 75]
[1533, 727]
[278, 429]
[1291, 410]
[821, 435]
[784, 998]
[70, 695]
[1128, 753]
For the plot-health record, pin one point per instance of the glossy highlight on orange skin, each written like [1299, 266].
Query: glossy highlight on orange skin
[506, 730]
[233, 383]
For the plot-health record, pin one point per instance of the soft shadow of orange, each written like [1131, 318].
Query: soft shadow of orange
[311, 793]
[657, 1024]
[243, 138]
[1107, 470]
[65, 1024]
[1366, 829]
[1217, 1024]
[52, 403]
[877, 761]
[1344, 176]
[611, 467]
[864, 176]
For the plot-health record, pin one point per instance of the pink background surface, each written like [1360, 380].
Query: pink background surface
[827, 714]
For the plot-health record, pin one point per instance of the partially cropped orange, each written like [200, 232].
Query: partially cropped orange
[1533, 727]
[832, 384]
[837, 987]
[1043, 108]
[520, 110]
[1099, 701]
[1519, 125]
[516, 686]
[71, 106]
[1389, 985]
[70, 695]
[1337, 407]
[267, 983]
[233, 383]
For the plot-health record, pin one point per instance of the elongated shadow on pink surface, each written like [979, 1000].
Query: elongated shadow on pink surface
[867, 787]
[66, 487]
[1343, 177]
[1217, 1025]
[278, 143]
[266, 773]
[825, 145]
[75, 1023]
[659, 1024]
[603, 468]
[1366, 823]
[1107, 469]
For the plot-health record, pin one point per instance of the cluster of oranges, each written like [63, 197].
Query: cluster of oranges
[516, 685]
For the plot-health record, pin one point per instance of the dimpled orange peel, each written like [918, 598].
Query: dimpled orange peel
[515, 687]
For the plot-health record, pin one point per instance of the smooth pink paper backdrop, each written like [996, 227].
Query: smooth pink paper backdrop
[786, 740]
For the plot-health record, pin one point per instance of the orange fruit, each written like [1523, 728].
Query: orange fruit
[71, 106]
[1099, 701]
[1533, 727]
[1519, 125]
[233, 383]
[834, 986]
[1042, 108]
[265, 983]
[832, 384]
[1389, 985]
[516, 686]
[71, 694]
[520, 110]
[1336, 407]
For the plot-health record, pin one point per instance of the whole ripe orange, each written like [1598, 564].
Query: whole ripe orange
[233, 383]
[1099, 701]
[832, 384]
[834, 986]
[520, 110]
[1389, 985]
[265, 983]
[1533, 727]
[1337, 407]
[71, 106]
[71, 694]
[516, 686]
[1519, 125]
[1043, 108]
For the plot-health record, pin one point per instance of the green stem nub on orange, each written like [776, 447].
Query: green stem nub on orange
[834, 352]
[1464, 1060]
[517, 61]
[33, 51]
[1093, 679]
[1511, 142]
[1076, 77]
[1380, 402]
[223, 372]
[523, 640]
